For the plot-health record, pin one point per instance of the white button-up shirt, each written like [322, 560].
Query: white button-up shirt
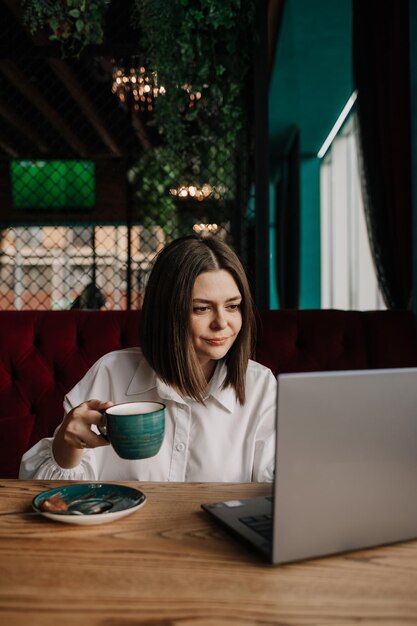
[219, 441]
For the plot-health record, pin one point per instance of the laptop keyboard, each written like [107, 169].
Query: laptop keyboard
[261, 524]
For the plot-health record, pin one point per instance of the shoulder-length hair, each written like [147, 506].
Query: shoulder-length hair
[165, 320]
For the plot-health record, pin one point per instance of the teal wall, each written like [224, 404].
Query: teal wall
[310, 84]
[273, 290]
[310, 234]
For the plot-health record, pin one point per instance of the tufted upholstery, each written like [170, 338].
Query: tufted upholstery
[44, 353]
[308, 340]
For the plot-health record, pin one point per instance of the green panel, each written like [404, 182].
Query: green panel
[53, 184]
[310, 269]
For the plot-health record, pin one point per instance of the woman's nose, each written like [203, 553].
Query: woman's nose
[219, 320]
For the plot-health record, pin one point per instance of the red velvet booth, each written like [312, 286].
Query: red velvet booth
[44, 353]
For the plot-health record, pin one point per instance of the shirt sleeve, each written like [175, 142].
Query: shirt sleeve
[265, 445]
[38, 463]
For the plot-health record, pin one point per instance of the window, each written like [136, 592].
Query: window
[348, 279]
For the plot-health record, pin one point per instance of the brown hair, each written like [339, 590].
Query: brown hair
[165, 335]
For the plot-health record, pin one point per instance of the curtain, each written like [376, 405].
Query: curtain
[287, 215]
[381, 75]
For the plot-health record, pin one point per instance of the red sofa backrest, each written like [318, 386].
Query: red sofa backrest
[42, 356]
[44, 353]
[320, 340]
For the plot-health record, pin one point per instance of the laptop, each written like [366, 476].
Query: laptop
[345, 469]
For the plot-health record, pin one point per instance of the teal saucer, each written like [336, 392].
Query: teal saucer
[89, 503]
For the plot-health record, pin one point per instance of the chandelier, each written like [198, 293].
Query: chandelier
[196, 192]
[206, 229]
[137, 84]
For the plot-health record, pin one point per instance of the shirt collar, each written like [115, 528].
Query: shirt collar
[144, 379]
[224, 396]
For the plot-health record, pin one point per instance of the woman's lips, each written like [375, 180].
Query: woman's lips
[217, 342]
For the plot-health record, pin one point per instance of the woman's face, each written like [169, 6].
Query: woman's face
[216, 317]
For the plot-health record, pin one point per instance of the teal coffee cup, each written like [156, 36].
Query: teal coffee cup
[134, 429]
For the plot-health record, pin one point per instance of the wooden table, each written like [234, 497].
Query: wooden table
[169, 564]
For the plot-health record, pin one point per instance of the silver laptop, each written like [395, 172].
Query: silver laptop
[346, 467]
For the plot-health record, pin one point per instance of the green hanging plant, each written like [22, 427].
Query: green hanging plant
[73, 23]
[198, 47]
[200, 50]
[151, 177]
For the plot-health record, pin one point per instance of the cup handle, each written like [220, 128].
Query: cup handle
[102, 428]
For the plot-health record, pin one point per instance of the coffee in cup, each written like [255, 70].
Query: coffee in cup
[134, 429]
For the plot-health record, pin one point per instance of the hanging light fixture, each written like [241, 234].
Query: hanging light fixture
[206, 229]
[194, 97]
[195, 192]
[136, 85]
[132, 83]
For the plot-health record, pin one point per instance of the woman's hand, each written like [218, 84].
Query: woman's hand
[75, 433]
[77, 425]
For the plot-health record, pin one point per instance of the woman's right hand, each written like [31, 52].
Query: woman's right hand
[75, 433]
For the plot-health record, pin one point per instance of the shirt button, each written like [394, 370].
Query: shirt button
[180, 447]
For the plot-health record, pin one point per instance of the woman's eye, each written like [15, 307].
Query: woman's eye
[200, 309]
[233, 307]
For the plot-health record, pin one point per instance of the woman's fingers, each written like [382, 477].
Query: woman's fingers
[78, 432]
[82, 437]
[91, 440]
[90, 412]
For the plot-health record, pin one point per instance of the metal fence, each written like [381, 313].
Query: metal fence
[88, 192]
[89, 267]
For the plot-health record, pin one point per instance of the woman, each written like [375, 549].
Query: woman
[196, 338]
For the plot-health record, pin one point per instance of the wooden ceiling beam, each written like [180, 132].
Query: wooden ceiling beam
[22, 126]
[45, 48]
[19, 79]
[136, 121]
[71, 83]
[11, 152]
[140, 130]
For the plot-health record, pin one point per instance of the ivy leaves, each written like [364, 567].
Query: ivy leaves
[73, 23]
[201, 52]
[204, 44]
